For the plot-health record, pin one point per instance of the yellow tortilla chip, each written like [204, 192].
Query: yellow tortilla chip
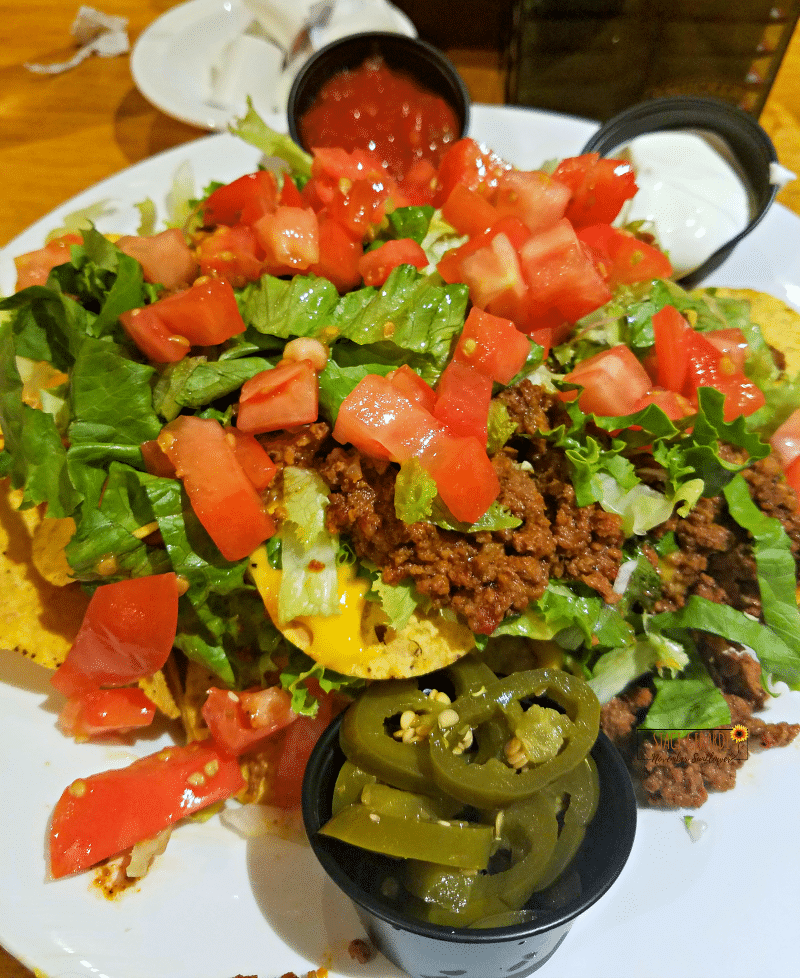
[158, 691]
[358, 641]
[779, 323]
[37, 618]
[50, 538]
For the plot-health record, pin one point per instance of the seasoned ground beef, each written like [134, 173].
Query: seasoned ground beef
[488, 576]
[483, 576]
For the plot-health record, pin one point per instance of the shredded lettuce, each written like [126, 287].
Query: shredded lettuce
[309, 582]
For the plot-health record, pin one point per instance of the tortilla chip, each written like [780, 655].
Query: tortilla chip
[779, 323]
[37, 618]
[158, 691]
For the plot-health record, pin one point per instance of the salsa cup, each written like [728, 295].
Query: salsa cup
[417, 59]
[425, 950]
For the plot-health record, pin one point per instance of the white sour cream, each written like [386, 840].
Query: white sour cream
[689, 191]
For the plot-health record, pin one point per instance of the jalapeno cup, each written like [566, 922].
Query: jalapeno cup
[424, 947]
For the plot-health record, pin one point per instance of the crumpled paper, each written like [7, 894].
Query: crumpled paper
[95, 33]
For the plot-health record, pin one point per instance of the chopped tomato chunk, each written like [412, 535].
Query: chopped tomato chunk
[105, 814]
[376, 265]
[250, 454]
[613, 382]
[468, 211]
[206, 313]
[599, 187]
[127, 633]
[165, 257]
[536, 198]
[623, 258]
[492, 345]
[243, 201]
[462, 400]
[785, 441]
[413, 386]
[152, 335]
[222, 496]
[34, 266]
[240, 721]
[104, 711]
[284, 397]
[290, 239]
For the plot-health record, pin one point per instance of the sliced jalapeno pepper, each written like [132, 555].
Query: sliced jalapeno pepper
[385, 800]
[466, 845]
[350, 782]
[529, 830]
[367, 743]
[495, 784]
[582, 785]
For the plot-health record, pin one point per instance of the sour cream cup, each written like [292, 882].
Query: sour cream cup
[424, 950]
[738, 139]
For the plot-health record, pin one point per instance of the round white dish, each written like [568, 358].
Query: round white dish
[215, 905]
[177, 59]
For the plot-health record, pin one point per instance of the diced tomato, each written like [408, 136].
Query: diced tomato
[152, 335]
[468, 211]
[468, 163]
[731, 343]
[418, 186]
[240, 721]
[298, 740]
[250, 454]
[290, 239]
[560, 274]
[34, 266]
[672, 334]
[284, 397]
[360, 208]
[232, 253]
[378, 420]
[155, 461]
[450, 265]
[242, 201]
[413, 386]
[464, 475]
[222, 497]
[382, 422]
[674, 405]
[785, 441]
[206, 313]
[290, 196]
[599, 188]
[376, 265]
[339, 253]
[538, 200]
[493, 274]
[105, 711]
[127, 633]
[492, 345]
[613, 382]
[708, 367]
[622, 257]
[165, 257]
[792, 474]
[463, 395]
[105, 814]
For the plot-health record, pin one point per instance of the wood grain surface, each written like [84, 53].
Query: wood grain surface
[61, 134]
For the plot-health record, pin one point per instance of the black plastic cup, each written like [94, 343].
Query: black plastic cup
[415, 58]
[749, 146]
[426, 950]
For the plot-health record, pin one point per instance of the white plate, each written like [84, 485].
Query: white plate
[216, 906]
[173, 58]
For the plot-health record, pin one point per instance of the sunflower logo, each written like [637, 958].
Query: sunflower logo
[739, 733]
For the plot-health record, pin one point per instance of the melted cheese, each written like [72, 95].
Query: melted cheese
[348, 642]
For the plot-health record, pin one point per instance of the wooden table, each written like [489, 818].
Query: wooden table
[63, 133]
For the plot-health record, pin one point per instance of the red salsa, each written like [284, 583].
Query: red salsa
[376, 108]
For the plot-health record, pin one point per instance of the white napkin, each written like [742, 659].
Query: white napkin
[96, 33]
